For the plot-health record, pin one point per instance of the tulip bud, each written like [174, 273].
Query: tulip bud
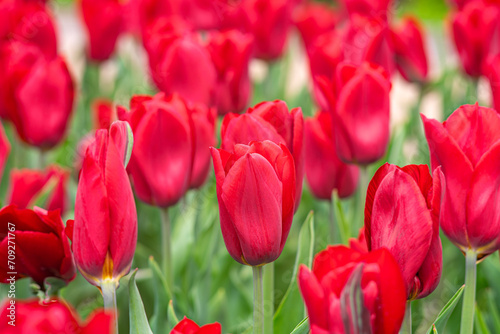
[256, 194]
[465, 151]
[399, 202]
[233, 88]
[313, 19]
[379, 291]
[378, 9]
[269, 121]
[188, 326]
[42, 248]
[27, 187]
[324, 170]
[105, 228]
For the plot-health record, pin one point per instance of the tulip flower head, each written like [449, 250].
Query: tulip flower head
[188, 326]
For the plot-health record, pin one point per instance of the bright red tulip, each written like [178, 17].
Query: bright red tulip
[188, 326]
[324, 170]
[360, 112]
[256, 193]
[51, 317]
[269, 121]
[400, 201]
[410, 51]
[493, 74]
[233, 88]
[104, 114]
[475, 29]
[313, 19]
[41, 246]
[359, 244]
[466, 149]
[104, 22]
[4, 150]
[331, 279]
[104, 234]
[37, 94]
[27, 186]
[370, 8]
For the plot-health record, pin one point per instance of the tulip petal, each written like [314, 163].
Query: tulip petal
[314, 298]
[185, 326]
[252, 194]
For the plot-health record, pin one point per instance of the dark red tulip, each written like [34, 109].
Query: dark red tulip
[379, 9]
[54, 316]
[37, 94]
[233, 88]
[475, 29]
[269, 121]
[466, 149]
[41, 246]
[331, 279]
[188, 326]
[104, 234]
[400, 201]
[28, 186]
[256, 193]
[410, 51]
[313, 19]
[4, 150]
[493, 74]
[104, 22]
[360, 112]
[324, 170]
[179, 61]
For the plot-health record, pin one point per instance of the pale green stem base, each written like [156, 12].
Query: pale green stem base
[467, 324]
[364, 180]
[108, 290]
[258, 301]
[406, 328]
[166, 247]
[268, 278]
[333, 223]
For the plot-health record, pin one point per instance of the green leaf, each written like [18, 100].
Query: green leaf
[162, 296]
[291, 309]
[479, 323]
[41, 199]
[138, 320]
[302, 327]
[443, 316]
[172, 317]
[340, 218]
[492, 307]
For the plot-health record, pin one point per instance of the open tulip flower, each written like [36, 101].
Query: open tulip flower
[340, 274]
[188, 326]
[400, 202]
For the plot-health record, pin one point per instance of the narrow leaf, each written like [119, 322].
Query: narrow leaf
[443, 316]
[138, 320]
[162, 296]
[302, 327]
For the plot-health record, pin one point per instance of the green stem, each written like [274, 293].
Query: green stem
[258, 301]
[333, 223]
[108, 290]
[406, 328]
[364, 180]
[467, 324]
[43, 159]
[268, 279]
[166, 247]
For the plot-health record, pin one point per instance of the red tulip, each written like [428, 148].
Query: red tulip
[37, 94]
[474, 32]
[4, 150]
[324, 170]
[105, 228]
[369, 8]
[269, 121]
[333, 276]
[313, 19]
[188, 326]
[256, 193]
[409, 50]
[467, 149]
[233, 88]
[41, 246]
[27, 186]
[400, 202]
[104, 22]
[359, 244]
[103, 113]
[179, 62]
[34, 317]
[360, 112]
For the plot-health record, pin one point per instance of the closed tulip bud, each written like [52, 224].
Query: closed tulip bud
[104, 233]
[4, 150]
[465, 151]
[313, 19]
[361, 114]
[54, 316]
[369, 8]
[188, 326]
[42, 248]
[409, 50]
[104, 22]
[37, 94]
[474, 31]
[325, 172]
[400, 201]
[256, 194]
[28, 187]
[233, 88]
[269, 121]
[339, 275]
